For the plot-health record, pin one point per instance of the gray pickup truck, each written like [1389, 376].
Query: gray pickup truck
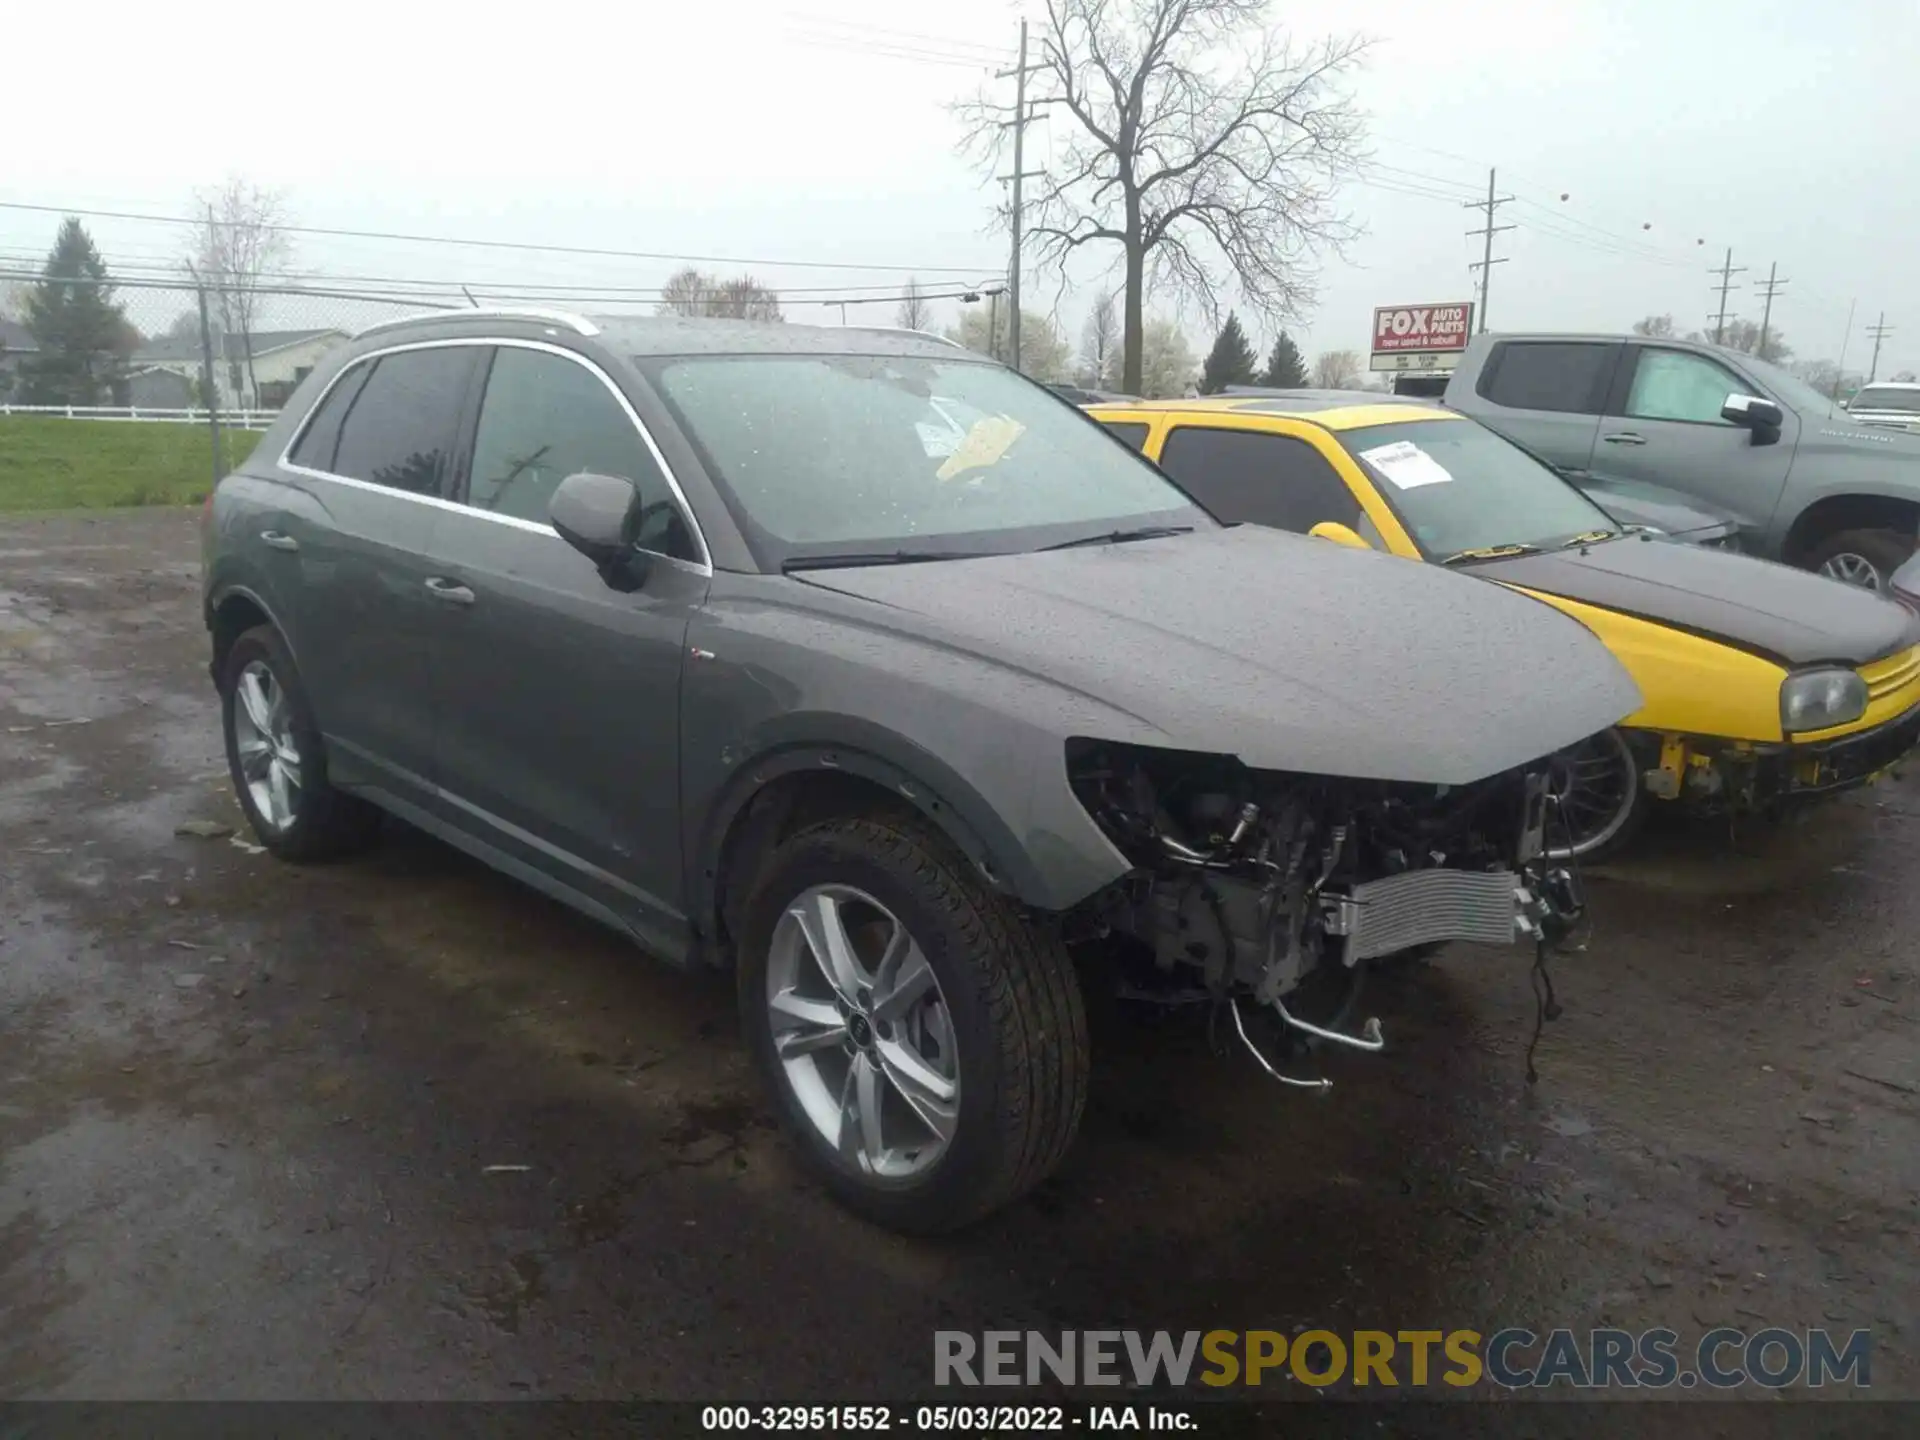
[1809, 484]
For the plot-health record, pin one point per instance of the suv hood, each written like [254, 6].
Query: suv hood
[1290, 653]
[1642, 502]
[1792, 617]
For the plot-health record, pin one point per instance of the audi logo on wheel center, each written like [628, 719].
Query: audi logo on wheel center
[1417, 329]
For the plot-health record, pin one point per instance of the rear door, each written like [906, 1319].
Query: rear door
[560, 697]
[1547, 395]
[1663, 424]
[374, 462]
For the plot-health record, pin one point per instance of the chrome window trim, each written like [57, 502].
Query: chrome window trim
[579, 324]
[702, 566]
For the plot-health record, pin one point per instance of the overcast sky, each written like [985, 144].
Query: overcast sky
[820, 131]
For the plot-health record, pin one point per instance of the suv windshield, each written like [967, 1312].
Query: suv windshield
[822, 455]
[1458, 486]
[1891, 397]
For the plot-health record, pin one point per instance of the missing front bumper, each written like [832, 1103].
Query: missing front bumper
[1429, 907]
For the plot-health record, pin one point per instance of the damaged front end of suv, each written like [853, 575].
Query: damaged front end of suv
[1257, 889]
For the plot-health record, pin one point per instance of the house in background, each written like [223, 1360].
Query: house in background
[170, 365]
[16, 344]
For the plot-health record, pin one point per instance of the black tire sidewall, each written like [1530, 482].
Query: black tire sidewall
[265, 645]
[836, 856]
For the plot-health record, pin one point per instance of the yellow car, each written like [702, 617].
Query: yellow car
[1762, 683]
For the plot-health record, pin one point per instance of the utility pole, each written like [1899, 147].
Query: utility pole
[1487, 262]
[1019, 123]
[1766, 313]
[207, 382]
[1879, 330]
[1726, 272]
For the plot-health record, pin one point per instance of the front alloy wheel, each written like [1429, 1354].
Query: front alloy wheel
[1596, 785]
[863, 1032]
[923, 1035]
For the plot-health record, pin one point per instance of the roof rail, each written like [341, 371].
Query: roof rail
[902, 330]
[579, 324]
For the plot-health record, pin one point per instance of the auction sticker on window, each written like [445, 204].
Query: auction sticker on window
[1406, 465]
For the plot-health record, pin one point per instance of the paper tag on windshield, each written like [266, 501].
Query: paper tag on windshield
[1406, 465]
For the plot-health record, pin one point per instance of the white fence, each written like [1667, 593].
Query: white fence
[238, 419]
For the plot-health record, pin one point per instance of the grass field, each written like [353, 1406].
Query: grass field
[47, 463]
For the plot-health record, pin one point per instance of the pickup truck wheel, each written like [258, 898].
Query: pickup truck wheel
[926, 1042]
[1866, 558]
[1601, 800]
[275, 756]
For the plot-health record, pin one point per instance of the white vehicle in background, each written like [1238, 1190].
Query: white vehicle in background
[1892, 403]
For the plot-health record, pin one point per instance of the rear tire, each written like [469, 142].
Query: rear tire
[1002, 1030]
[1865, 558]
[1601, 800]
[277, 760]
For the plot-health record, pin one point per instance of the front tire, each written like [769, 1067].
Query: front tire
[277, 761]
[1865, 558]
[926, 1043]
[1602, 803]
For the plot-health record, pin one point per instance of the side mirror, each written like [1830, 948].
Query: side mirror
[1339, 534]
[1757, 414]
[599, 516]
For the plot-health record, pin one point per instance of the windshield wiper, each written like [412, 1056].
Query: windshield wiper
[1491, 552]
[1117, 537]
[875, 557]
[1590, 537]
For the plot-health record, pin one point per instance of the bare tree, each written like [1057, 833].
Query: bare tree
[1200, 142]
[1336, 370]
[240, 236]
[691, 292]
[13, 300]
[916, 313]
[1654, 326]
[1044, 353]
[1744, 336]
[1168, 368]
[1100, 344]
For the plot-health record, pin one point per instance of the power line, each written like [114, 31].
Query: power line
[1485, 266]
[1726, 272]
[404, 238]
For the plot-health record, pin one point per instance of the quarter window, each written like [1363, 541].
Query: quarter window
[1134, 433]
[1247, 477]
[318, 442]
[1676, 385]
[1548, 375]
[544, 418]
[398, 431]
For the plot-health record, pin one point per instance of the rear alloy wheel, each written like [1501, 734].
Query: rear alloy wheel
[925, 1041]
[277, 760]
[1865, 558]
[1600, 801]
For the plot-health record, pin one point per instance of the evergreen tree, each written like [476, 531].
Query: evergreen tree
[1230, 362]
[82, 335]
[1285, 369]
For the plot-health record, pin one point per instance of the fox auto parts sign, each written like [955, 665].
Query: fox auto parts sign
[1419, 337]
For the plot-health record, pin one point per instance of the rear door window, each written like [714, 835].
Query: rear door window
[399, 430]
[1250, 477]
[1569, 376]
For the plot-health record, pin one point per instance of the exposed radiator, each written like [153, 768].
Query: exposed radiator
[1424, 906]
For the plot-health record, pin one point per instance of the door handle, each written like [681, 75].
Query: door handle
[450, 591]
[277, 540]
[1624, 437]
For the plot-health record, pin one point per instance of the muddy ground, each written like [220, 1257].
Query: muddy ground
[248, 1112]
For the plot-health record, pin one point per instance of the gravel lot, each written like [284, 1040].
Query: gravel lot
[247, 1111]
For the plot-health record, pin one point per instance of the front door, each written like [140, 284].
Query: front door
[1664, 425]
[559, 697]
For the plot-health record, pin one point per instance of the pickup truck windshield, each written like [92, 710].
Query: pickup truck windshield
[1457, 487]
[1887, 398]
[819, 455]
